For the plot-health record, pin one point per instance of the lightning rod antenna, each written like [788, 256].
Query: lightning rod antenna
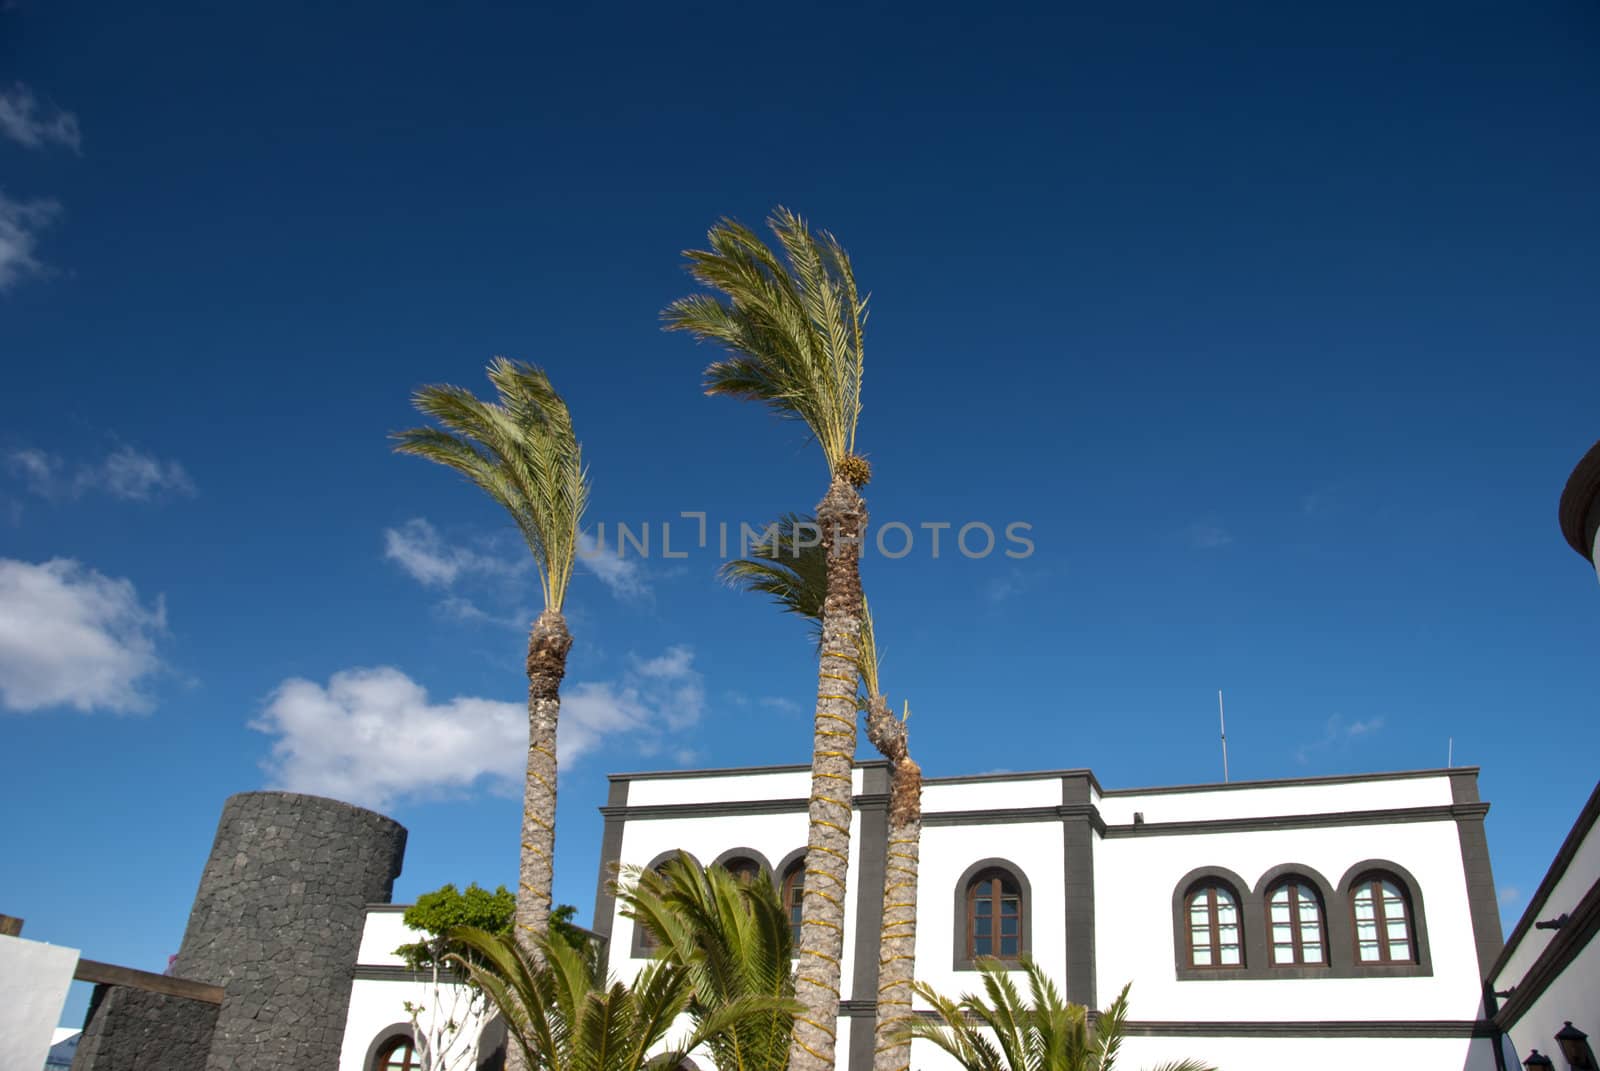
[1222, 724]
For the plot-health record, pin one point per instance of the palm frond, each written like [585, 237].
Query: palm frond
[522, 451]
[792, 325]
[1001, 1032]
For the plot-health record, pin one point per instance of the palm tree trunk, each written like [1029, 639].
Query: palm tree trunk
[548, 645]
[898, 944]
[842, 516]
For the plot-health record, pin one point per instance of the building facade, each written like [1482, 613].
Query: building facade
[1313, 923]
[1547, 979]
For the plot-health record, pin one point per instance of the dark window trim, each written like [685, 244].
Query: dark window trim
[1423, 965]
[1339, 933]
[963, 961]
[794, 862]
[636, 946]
[1325, 894]
[751, 854]
[1211, 885]
[389, 1034]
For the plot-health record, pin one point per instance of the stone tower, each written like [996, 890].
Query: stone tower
[276, 924]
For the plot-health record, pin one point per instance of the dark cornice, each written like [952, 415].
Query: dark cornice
[1583, 488]
[1552, 878]
[1568, 943]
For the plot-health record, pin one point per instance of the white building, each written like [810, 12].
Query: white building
[1379, 886]
[1548, 977]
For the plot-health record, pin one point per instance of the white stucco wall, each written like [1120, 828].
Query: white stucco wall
[34, 979]
[1575, 993]
[1247, 801]
[1580, 876]
[379, 1003]
[1134, 882]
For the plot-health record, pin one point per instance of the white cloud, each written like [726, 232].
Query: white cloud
[624, 578]
[25, 122]
[125, 473]
[1209, 535]
[20, 224]
[1337, 733]
[70, 637]
[1509, 894]
[373, 736]
[417, 547]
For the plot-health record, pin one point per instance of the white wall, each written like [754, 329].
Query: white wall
[1244, 801]
[376, 1004]
[34, 979]
[1581, 874]
[1134, 882]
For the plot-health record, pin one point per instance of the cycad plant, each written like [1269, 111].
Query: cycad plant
[791, 567]
[732, 937]
[792, 327]
[1044, 1033]
[559, 1017]
[521, 451]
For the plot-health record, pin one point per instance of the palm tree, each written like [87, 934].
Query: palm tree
[732, 937]
[792, 327]
[521, 451]
[1044, 1034]
[793, 570]
[559, 1017]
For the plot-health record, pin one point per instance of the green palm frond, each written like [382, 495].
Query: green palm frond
[792, 325]
[732, 939]
[999, 1031]
[522, 451]
[564, 1019]
[790, 563]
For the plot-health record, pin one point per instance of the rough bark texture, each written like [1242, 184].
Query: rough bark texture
[897, 947]
[548, 645]
[842, 516]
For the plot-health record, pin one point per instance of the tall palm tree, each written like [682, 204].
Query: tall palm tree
[732, 937]
[1042, 1034]
[521, 451]
[792, 328]
[559, 1017]
[792, 568]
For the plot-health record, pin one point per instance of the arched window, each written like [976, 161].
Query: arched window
[1383, 917]
[743, 868]
[994, 915]
[398, 1054]
[1297, 931]
[793, 891]
[1216, 938]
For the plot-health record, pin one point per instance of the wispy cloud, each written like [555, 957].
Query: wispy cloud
[70, 637]
[623, 577]
[125, 473]
[373, 736]
[1509, 894]
[24, 120]
[417, 547]
[1338, 733]
[20, 225]
[1208, 534]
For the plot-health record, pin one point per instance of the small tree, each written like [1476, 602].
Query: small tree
[449, 1003]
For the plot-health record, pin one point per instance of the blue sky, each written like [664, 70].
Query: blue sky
[1275, 325]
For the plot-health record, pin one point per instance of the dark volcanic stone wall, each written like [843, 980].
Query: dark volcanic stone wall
[277, 923]
[133, 1030]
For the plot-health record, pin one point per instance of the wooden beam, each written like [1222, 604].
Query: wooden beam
[109, 974]
[10, 926]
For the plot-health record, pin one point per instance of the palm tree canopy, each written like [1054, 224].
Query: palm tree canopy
[733, 939]
[790, 563]
[564, 1019]
[792, 326]
[1000, 1031]
[521, 450]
